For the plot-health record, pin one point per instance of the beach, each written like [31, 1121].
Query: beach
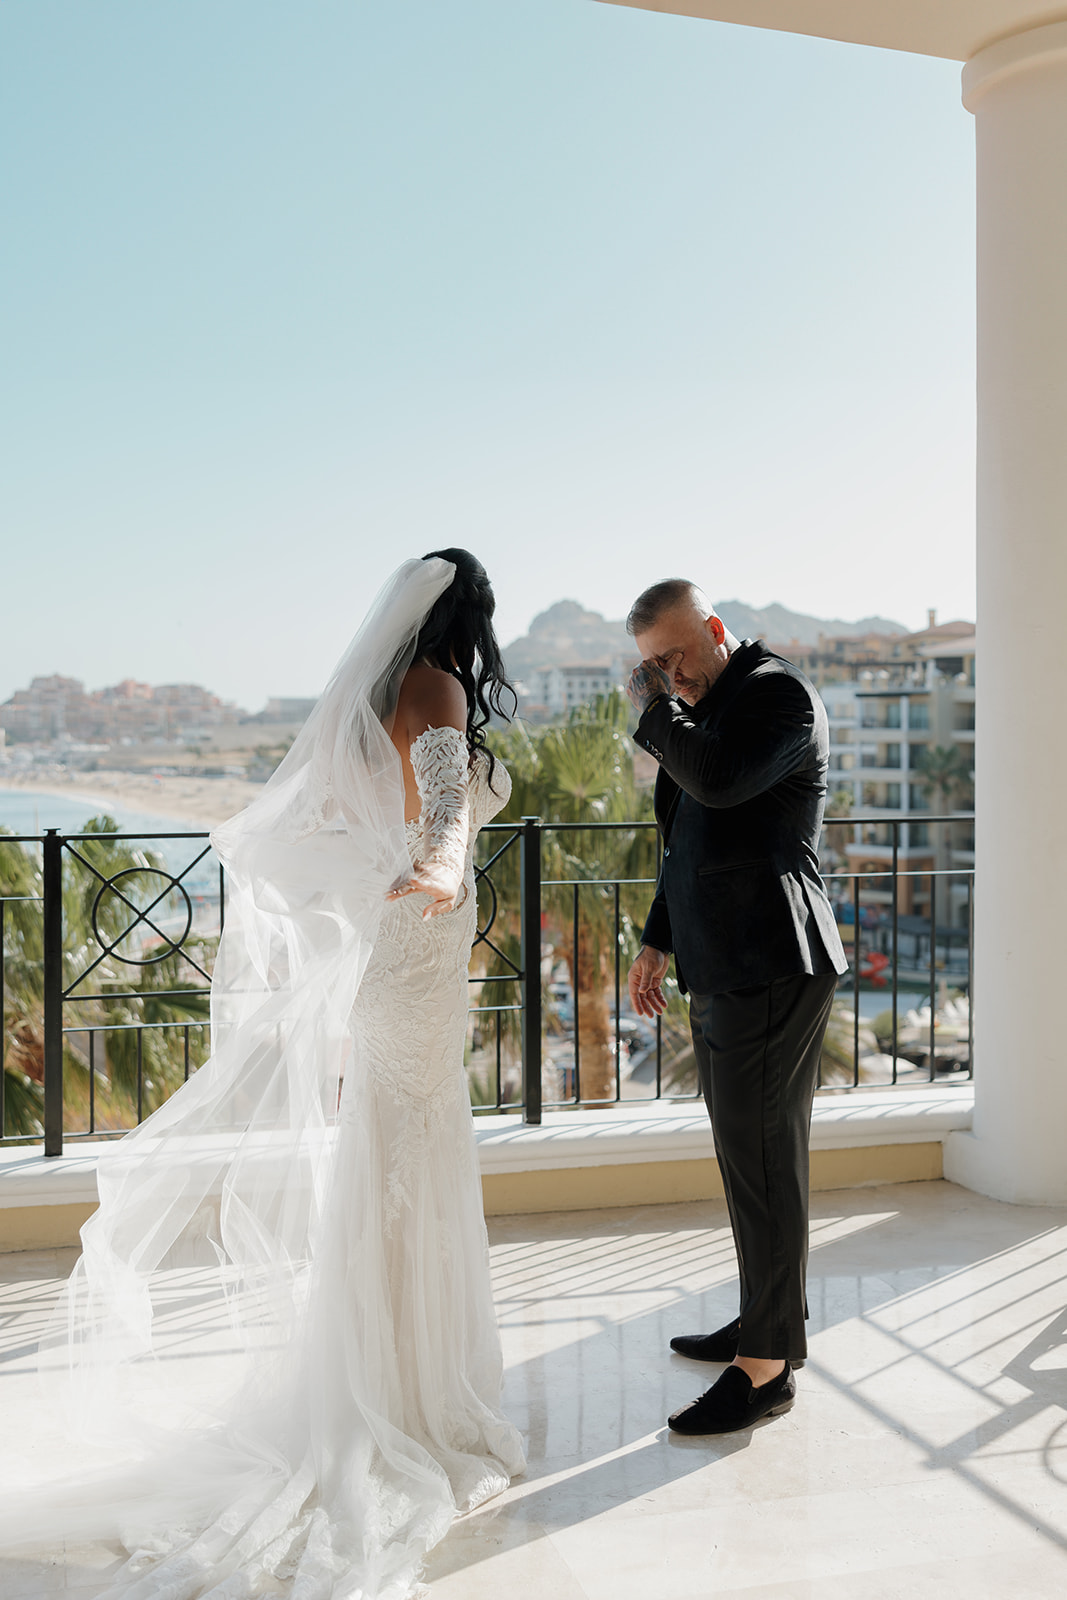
[201, 802]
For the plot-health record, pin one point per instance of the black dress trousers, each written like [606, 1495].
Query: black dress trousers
[757, 1052]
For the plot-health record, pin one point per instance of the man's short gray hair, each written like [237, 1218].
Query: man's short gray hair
[661, 598]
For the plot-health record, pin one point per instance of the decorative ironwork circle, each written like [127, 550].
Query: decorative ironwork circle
[481, 876]
[142, 919]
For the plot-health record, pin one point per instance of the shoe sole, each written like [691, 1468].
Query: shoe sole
[775, 1411]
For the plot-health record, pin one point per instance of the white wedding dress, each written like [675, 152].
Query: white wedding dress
[278, 1350]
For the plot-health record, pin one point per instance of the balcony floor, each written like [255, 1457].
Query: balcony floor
[926, 1456]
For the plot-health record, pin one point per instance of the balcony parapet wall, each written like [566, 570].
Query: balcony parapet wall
[573, 1160]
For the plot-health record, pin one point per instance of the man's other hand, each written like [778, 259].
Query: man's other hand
[645, 982]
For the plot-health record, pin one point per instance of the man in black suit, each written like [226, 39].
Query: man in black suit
[741, 738]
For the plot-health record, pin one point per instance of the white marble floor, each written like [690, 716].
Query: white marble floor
[926, 1456]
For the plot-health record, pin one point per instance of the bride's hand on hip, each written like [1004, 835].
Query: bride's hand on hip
[440, 883]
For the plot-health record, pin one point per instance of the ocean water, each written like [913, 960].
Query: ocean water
[30, 811]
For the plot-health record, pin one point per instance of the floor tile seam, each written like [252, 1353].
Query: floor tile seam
[905, 1566]
[730, 1503]
[575, 1296]
[963, 1469]
[968, 1394]
[541, 1286]
[628, 1246]
[988, 1286]
[905, 1351]
[583, 1272]
[959, 1306]
[1024, 1334]
[1038, 1451]
[544, 1282]
[919, 1476]
[579, 1586]
[953, 1273]
[875, 1494]
[544, 1238]
[877, 1413]
[572, 1304]
[539, 1265]
[1035, 1319]
[600, 1321]
[591, 1241]
[928, 1355]
[610, 1240]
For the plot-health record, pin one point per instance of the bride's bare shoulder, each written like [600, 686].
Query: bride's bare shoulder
[430, 698]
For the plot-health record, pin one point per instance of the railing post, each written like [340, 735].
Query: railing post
[896, 936]
[530, 958]
[52, 875]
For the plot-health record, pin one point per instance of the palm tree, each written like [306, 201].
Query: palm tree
[946, 771]
[22, 1021]
[839, 803]
[576, 773]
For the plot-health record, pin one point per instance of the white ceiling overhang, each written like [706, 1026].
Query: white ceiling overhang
[954, 29]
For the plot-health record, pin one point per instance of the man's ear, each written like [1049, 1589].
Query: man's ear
[717, 629]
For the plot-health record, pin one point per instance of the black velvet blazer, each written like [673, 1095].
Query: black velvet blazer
[739, 800]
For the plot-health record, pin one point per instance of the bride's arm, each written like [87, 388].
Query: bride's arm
[438, 752]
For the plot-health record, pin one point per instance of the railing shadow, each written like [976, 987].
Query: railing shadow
[938, 1346]
[934, 1359]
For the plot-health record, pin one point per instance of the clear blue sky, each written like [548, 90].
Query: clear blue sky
[293, 289]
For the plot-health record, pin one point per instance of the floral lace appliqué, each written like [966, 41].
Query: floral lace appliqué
[439, 760]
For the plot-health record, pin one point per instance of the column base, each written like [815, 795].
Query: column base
[977, 1164]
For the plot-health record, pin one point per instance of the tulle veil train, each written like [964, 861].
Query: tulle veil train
[194, 1366]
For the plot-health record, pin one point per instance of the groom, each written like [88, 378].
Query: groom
[741, 739]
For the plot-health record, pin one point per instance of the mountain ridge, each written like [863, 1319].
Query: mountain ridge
[569, 632]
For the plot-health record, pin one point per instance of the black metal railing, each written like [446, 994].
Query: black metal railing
[560, 909]
[115, 967]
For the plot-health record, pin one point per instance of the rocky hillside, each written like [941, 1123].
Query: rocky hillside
[568, 632]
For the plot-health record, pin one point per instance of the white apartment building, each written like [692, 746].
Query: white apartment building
[560, 688]
[881, 724]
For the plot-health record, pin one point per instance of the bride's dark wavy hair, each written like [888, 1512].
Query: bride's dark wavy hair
[458, 637]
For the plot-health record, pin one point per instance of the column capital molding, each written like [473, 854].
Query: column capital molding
[1006, 57]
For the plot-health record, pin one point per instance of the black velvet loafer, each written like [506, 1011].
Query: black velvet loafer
[734, 1402]
[718, 1346]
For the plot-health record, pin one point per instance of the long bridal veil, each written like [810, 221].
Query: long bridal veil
[186, 1360]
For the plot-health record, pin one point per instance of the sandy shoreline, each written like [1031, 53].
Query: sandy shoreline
[202, 801]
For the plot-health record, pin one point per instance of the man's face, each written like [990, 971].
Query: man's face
[688, 647]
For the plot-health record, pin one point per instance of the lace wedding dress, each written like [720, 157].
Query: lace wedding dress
[278, 1351]
[416, 1213]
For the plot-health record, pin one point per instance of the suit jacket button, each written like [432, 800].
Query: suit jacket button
[667, 852]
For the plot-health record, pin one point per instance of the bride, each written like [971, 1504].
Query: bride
[276, 1362]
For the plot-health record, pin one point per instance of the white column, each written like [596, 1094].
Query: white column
[1017, 90]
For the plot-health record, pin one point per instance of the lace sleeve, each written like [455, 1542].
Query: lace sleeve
[439, 761]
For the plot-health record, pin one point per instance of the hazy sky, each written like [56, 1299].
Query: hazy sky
[293, 289]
